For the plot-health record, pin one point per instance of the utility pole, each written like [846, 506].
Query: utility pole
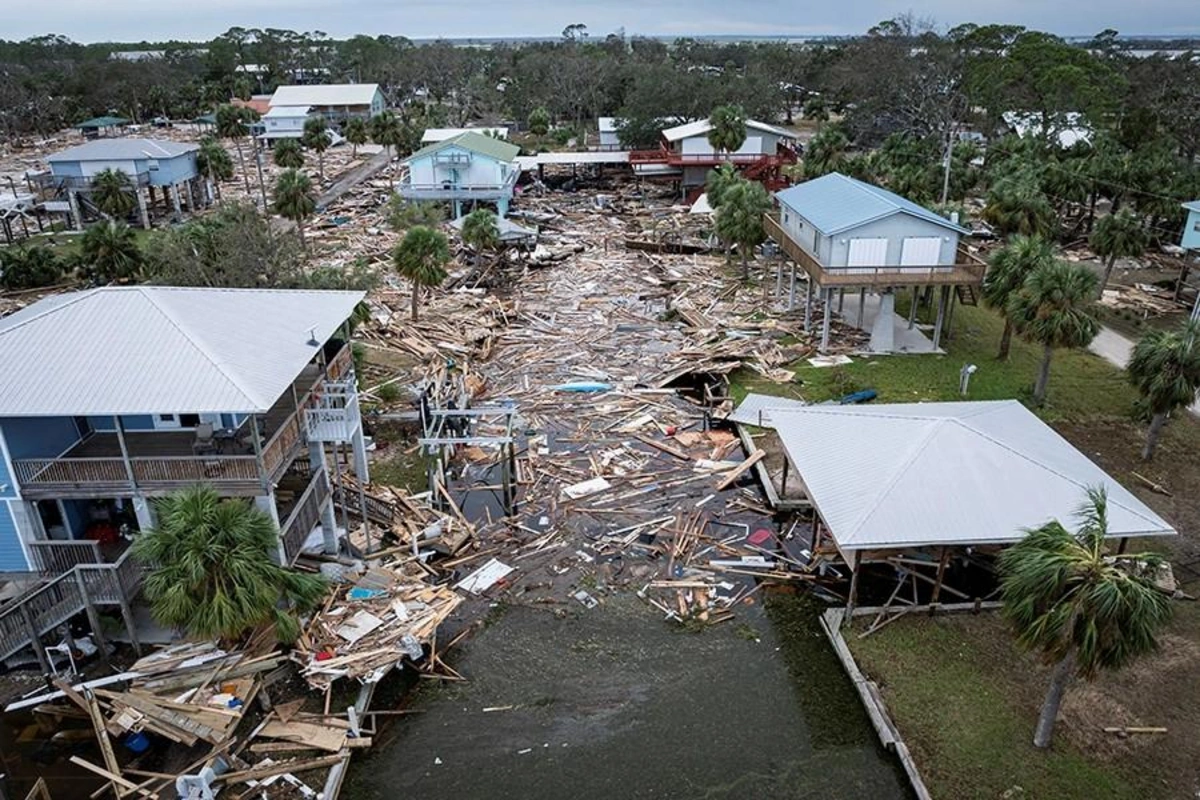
[946, 176]
[262, 186]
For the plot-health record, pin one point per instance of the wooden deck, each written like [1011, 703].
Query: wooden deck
[966, 271]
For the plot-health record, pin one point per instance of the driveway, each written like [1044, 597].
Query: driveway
[1115, 348]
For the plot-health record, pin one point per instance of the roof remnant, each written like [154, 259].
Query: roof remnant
[159, 349]
[926, 474]
[101, 122]
[834, 203]
[442, 134]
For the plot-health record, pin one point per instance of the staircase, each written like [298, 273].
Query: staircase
[966, 294]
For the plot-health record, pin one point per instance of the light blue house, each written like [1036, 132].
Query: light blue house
[118, 395]
[851, 235]
[1191, 228]
[160, 167]
[466, 167]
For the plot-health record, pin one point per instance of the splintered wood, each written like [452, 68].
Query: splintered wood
[389, 614]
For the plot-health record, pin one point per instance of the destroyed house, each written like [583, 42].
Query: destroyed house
[850, 235]
[686, 152]
[466, 167]
[119, 395]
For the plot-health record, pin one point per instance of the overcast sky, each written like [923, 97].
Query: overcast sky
[137, 20]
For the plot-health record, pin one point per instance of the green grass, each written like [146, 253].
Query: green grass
[966, 703]
[1081, 384]
[66, 244]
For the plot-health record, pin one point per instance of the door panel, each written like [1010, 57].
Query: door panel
[866, 254]
[921, 251]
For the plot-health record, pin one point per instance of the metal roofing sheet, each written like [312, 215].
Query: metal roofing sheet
[432, 135]
[703, 126]
[277, 112]
[923, 474]
[123, 150]
[476, 143]
[328, 94]
[756, 409]
[834, 203]
[156, 349]
[1193, 206]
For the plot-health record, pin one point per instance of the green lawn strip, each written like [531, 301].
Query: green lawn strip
[1081, 384]
[966, 702]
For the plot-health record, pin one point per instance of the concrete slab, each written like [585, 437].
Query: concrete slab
[903, 339]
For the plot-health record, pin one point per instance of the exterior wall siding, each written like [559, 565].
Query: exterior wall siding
[482, 171]
[168, 171]
[895, 228]
[12, 554]
[1191, 232]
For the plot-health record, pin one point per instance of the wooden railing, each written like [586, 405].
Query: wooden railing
[37, 475]
[72, 471]
[304, 516]
[56, 556]
[340, 365]
[110, 583]
[215, 469]
[967, 269]
[282, 446]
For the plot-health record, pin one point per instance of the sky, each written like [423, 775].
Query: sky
[151, 20]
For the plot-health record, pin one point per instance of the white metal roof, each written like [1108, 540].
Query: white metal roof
[924, 474]
[703, 126]
[1074, 127]
[289, 112]
[158, 349]
[432, 135]
[756, 409]
[329, 94]
[123, 150]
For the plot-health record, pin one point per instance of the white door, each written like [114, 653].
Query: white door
[866, 254]
[921, 251]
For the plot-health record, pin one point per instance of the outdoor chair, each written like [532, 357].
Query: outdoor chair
[204, 442]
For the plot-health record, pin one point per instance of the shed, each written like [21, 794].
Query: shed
[99, 125]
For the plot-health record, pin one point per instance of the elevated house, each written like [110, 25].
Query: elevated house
[282, 122]
[469, 167]
[159, 170]
[336, 101]
[118, 395]
[924, 490]
[848, 235]
[685, 154]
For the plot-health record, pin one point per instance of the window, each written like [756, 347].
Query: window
[152, 164]
[1196, 226]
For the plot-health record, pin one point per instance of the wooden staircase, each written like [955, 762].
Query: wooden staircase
[966, 294]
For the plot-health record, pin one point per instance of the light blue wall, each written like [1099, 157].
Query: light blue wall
[77, 516]
[7, 486]
[1191, 232]
[67, 168]
[39, 437]
[171, 170]
[895, 229]
[12, 558]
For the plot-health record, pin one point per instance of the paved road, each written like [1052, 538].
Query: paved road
[1116, 349]
[352, 178]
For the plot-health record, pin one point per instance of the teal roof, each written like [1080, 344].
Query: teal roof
[476, 143]
[102, 122]
[1193, 206]
[206, 119]
[835, 203]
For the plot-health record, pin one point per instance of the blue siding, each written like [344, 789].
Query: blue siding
[77, 516]
[39, 437]
[1191, 232]
[12, 557]
[131, 422]
[7, 486]
[67, 168]
[171, 170]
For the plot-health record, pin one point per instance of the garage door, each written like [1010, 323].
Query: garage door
[921, 251]
[866, 254]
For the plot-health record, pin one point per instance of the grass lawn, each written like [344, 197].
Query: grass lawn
[965, 701]
[1080, 383]
[67, 243]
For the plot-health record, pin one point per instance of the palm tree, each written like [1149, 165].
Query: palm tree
[213, 571]
[1018, 205]
[826, 152]
[1165, 368]
[1119, 235]
[717, 182]
[386, 131]
[728, 131]
[1010, 266]
[740, 218]
[287, 154]
[113, 193]
[421, 257]
[316, 138]
[29, 267]
[355, 131]
[1053, 308]
[295, 199]
[110, 252]
[233, 123]
[214, 163]
[1083, 610]
[480, 232]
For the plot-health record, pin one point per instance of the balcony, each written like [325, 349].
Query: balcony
[162, 461]
[966, 270]
[446, 190]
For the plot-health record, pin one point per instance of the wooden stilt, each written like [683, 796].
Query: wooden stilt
[852, 600]
[941, 573]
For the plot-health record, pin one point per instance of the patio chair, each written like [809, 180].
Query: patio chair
[204, 442]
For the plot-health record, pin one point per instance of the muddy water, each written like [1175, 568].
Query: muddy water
[614, 703]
